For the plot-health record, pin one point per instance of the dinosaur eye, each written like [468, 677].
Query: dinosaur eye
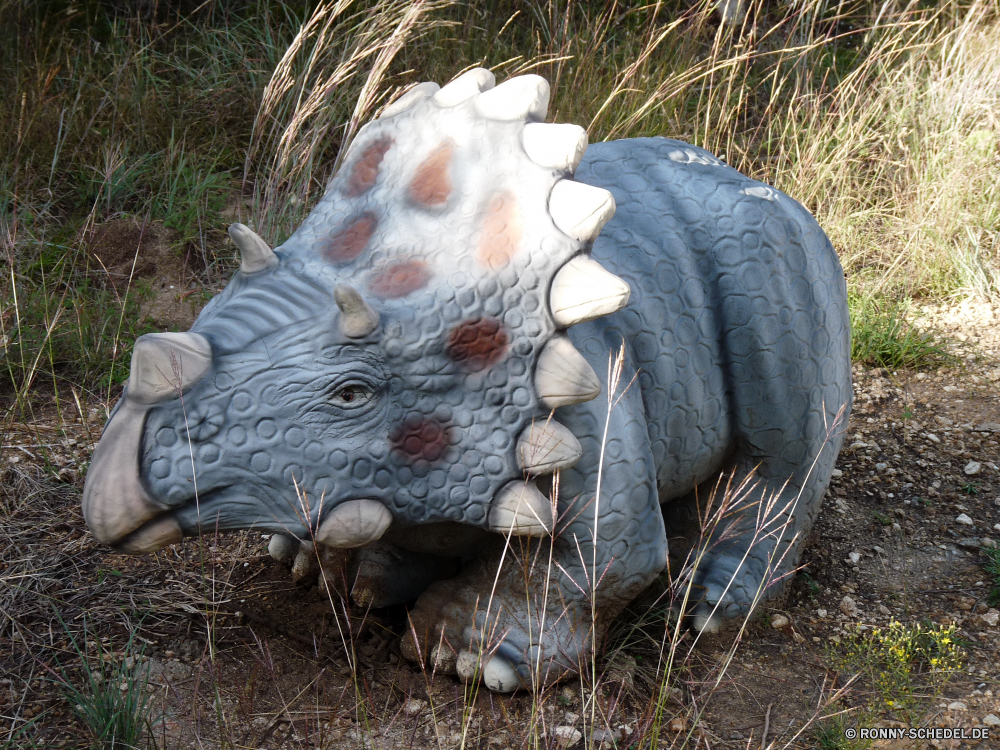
[352, 395]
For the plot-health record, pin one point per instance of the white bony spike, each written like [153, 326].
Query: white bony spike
[545, 447]
[580, 210]
[521, 98]
[282, 547]
[354, 523]
[357, 319]
[584, 290]
[466, 86]
[151, 536]
[256, 254]
[166, 364]
[500, 676]
[305, 564]
[411, 97]
[520, 509]
[555, 146]
[563, 376]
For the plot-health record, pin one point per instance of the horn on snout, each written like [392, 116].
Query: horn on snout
[164, 365]
[357, 319]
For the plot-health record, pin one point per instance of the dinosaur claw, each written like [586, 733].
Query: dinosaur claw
[580, 210]
[354, 523]
[465, 87]
[500, 676]
[563, 376]
[520, 509]
[282, 547]
[584, 290]
[411, 97]
[544, 447]
[521, 98]
[558, 146]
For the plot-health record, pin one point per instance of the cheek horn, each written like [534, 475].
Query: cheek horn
[357, 319]
[166, 364]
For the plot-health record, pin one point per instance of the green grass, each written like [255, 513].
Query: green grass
[992, 568]
[883, 336]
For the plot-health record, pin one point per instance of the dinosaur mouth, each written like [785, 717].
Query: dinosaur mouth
[116, 506]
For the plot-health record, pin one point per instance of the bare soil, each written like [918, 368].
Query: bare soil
[239, 656]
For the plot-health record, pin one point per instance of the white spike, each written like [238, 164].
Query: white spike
[520, 509]
[521, 98]
[466, 86]
[166, 364]
[580, 210]
[584, 290]
[354, 523]
[255, 253]
[556, 146]
[282, 547]
[357, 319]
[411, 97]
[563, 376]
[545, 447]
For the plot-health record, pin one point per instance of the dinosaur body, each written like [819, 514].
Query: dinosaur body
[407, 374]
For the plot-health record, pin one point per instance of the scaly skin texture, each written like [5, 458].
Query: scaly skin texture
[394, 412]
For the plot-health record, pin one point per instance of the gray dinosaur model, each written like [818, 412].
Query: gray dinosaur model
[425, 352]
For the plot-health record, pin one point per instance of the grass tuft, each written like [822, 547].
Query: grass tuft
[881, 336]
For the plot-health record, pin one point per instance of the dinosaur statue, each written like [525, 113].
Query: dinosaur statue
[414, 376]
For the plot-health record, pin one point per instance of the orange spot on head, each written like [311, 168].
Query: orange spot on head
[479, 343]
[399, 278]
[431, 184]
[347, 242]
[501, 238]
[365, 170]
[420, 438]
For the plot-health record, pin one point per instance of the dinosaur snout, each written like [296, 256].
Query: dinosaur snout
[118, 509]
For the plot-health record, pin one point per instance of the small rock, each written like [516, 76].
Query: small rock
[988, 542]
[988, 427]
[854, 557]
[414, 706]
[964, 520]
[884, 610]
[569, 694]
[606, 736]
[677, 724]
[566, 736]
[991, 720]
[571, 718]
[957, 706]
[991, 617]
[973, 467]
[933, 438]
[836, 473]
[821, 613]
[881, 466]
[848, 606]
[798, 637]
[779, 622]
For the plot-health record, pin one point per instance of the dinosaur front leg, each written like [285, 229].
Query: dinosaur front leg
[529, 611]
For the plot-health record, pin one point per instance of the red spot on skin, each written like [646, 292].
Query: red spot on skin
[478, 344]
[431, 184]
[501, 238]
[348, 243]
[365, 171]
[400, 278]
[420, 438]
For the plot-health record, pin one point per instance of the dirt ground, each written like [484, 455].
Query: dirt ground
[238, 656]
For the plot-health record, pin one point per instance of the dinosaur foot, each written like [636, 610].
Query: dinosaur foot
[486, 626]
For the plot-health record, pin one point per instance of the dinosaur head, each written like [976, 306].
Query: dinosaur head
[396, 361]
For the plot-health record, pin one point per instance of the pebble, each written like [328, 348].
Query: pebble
[973, 467]
[414, 706]
[933, 438]
[779, 622]
[677, 724]
[566, 736]
[991, 617]
[991, 720]
[957, 706]
[848, 606]
[964, 520]
[854, 557]
[821, 613]
[881, 466]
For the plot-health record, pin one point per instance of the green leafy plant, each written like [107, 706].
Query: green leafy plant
[992, 568]
[881, 336]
